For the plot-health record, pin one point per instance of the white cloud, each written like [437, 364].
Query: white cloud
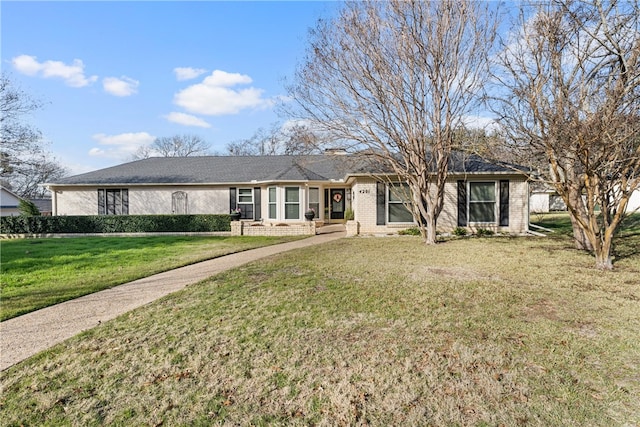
[123, 86]
[73, 75]
[121, 146]
[222, 78]
[480, 122]
[186, 120]
[76, 168]
[215, 95]
[188, 73]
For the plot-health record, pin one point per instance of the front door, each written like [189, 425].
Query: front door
[337, 203]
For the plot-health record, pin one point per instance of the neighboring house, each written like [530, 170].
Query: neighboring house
[279, 189]
[43, 205]
[544, 199]
[9, 202]
[634, 202]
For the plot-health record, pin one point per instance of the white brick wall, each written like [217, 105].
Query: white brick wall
[246, 228]
[144, 200]
[215, 200]
[365, 207]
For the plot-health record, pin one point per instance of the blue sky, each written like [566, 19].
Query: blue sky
[115, 75]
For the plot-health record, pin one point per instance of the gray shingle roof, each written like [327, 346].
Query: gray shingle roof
[215, 169]
[43, 205]
[245, 169]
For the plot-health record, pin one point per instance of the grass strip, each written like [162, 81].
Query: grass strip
[37, 273]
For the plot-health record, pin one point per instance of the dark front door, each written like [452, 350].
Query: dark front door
[337, 203]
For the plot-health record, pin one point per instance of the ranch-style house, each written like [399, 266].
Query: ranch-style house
[278, 190]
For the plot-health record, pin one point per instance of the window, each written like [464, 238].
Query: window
[482, 202]
[113, 201]
[314, 200]
[245, 202]
[245, 195]
[291, 203]
[399, 196]
[273, 207]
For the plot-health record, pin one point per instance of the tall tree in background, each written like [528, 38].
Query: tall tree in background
[24, 162]
[288, 139]
[174, 146]
[26, 181]
[395, 79]
[568, 97]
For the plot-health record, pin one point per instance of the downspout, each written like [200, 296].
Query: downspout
[536, 233]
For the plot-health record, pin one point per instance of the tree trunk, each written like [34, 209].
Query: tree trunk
[603, 257]
[431, 238]
[577, 209]
[580, 239]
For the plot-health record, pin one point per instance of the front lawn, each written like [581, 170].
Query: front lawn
[37, 273]
[559, 222]
[626, 241]
[361, 331]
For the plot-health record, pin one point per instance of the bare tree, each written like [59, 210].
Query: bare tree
[174, 146]
[27, 181]
[395, 79]
[278, 139]
[17, 137]
[568, 97]
[24, 162]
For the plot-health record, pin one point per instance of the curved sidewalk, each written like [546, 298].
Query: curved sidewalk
[24, 336]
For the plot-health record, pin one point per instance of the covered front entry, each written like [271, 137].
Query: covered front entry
[334, 203]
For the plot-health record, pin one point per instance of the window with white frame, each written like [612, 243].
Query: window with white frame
[245, 202]
[314, 200]
[273, 203]
[482, 202]
[291, 203]
[399, 197]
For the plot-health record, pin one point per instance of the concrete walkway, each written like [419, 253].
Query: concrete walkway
[31, 333]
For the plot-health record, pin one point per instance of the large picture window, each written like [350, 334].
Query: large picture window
[292, 203]
[399, 197]
[113, 201]
[482, 202]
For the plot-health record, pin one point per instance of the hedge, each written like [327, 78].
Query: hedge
[114, 224]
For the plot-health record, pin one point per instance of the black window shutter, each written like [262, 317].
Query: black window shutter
[462, 203]
[232, 199]
[381, 215]
[125, 201]
[101, 201]
[257, 203]
[504, 203]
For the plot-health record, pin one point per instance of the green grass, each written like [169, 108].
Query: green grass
[559, 222]
[37, 273]
[377, 331]
[624, 244]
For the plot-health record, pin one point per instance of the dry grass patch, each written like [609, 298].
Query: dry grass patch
[360, 332]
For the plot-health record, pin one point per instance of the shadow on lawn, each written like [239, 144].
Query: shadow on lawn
[627, 243]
